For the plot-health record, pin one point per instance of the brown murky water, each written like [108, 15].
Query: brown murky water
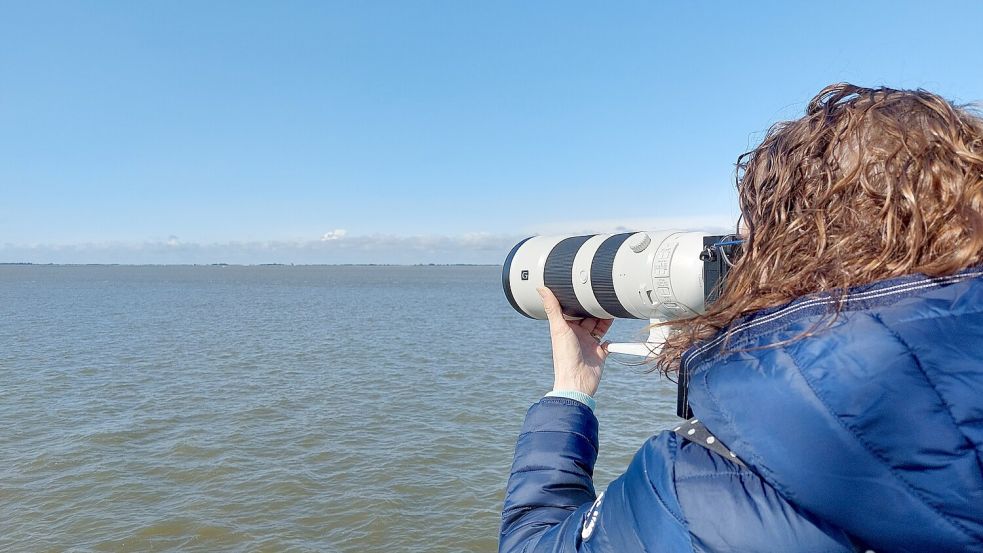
[274, 408]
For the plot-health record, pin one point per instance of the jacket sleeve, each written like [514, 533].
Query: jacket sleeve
[674, 497]
[550, 503]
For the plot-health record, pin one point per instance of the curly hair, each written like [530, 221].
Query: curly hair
[871, 183]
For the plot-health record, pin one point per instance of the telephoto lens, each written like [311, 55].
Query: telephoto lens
[633, 275]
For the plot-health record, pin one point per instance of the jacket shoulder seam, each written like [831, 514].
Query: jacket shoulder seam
[673, 458]
[870, 450]
[924, 373]
[748, 454]
[694, 547]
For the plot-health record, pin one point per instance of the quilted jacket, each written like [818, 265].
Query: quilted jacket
[865, 436]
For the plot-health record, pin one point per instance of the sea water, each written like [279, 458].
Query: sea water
[276, 408]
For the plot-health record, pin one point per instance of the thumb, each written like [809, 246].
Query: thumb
[551, 305]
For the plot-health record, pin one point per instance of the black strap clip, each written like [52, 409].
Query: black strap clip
[694, 431]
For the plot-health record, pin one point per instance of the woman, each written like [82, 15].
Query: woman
[837, 381]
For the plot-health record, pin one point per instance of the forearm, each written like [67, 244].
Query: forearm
[552, 473]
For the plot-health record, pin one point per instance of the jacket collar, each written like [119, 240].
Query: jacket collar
[865, 296]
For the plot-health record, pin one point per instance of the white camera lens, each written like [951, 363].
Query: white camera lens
[635, 275]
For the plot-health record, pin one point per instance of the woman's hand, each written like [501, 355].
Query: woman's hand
[578, 350]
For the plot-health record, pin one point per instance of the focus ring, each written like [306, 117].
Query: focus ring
[602, 276]
[558, 275]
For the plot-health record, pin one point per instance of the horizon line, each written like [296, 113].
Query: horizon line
[28, 263]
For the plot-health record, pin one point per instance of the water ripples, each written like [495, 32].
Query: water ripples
[274, 408]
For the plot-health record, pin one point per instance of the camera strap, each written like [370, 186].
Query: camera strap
[694, 431]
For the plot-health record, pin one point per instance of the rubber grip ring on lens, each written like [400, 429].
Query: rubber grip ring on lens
[602, 276]
[558, 275]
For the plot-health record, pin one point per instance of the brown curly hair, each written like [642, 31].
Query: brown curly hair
[871, 183]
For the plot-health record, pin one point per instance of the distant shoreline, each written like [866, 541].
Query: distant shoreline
[250, 264]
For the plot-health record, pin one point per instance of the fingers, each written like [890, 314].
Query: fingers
[594, 326]
[589, 323]
[552, 307]
[597, 327]
[603, 325]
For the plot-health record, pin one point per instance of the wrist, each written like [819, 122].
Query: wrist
[575, 395]
[576, 384]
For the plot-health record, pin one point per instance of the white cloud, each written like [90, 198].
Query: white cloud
[335, 234]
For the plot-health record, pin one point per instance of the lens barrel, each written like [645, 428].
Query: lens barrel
[639, 275]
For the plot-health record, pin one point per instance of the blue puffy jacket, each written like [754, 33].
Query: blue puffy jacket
[867, 436]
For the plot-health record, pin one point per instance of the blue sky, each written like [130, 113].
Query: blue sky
[414, 132]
